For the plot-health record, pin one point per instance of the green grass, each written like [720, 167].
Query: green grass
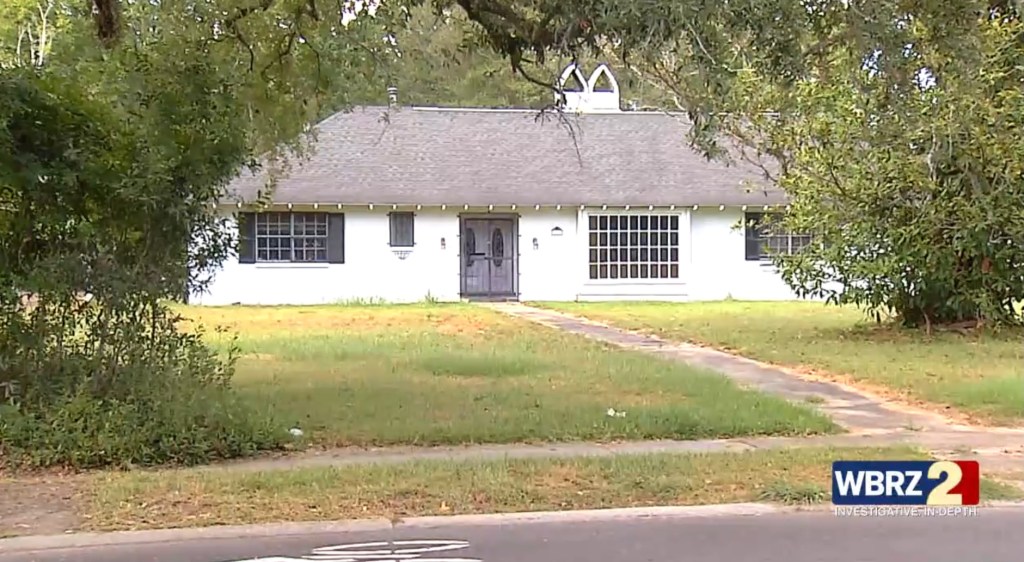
[141, 500]
[980, 375]
[794, 493]
[444, 374]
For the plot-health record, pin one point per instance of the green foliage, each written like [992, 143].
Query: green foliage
[96, 217]
[156, 423]
[913, 194]
[440, 60]
[108, 168]
[27, 29]
[118, 384]
[437, 63]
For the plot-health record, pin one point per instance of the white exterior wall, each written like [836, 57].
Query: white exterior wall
[371, 270]
[549, 272]
[719, 268]
[712, 263]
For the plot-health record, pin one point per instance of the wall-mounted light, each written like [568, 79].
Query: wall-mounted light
[557, 231]
[442, 243]
[535, 244]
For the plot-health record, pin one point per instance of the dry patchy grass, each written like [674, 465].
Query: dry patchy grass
[205, 497]
[981, 375]
[444, 374]
[1014, 478]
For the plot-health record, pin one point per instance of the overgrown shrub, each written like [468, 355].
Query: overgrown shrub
[105, 214]
[148, 394]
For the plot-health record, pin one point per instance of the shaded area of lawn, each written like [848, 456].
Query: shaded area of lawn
[982, 375]
[447, 374]
[219, 497]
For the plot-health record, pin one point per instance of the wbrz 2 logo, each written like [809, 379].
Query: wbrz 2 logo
[905, 482]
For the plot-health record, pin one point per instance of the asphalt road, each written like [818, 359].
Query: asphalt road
[993, 536]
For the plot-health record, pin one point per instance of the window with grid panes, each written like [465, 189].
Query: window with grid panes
[765, 237]
[291, 237]
[634, 246]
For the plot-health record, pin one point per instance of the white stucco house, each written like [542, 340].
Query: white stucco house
[399, 204]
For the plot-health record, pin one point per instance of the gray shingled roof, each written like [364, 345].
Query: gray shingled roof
[436, 156]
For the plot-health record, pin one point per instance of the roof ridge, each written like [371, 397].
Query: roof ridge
[467, 109]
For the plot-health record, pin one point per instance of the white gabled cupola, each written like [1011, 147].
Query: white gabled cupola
[599, 93]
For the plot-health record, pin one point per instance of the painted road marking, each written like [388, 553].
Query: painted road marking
[379, 551]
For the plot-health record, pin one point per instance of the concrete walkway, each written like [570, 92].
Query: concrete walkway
[1007, 445]
[854, 410]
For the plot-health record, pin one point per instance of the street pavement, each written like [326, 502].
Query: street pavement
[993, 535]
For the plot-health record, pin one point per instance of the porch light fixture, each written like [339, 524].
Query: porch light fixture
[536, 245]
[557, 231]
[442, 242]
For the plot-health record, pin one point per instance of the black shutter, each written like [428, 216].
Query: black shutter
[751, 230]
[246, 238]
[336, 238]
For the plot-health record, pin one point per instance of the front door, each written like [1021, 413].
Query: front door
[488, 258]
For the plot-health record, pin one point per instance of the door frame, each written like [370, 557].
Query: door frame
[514, 254]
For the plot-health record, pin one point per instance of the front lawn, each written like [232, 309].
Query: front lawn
[449, 374]
[981, 375]
[145, 500]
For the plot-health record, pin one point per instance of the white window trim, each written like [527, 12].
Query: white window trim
[684, 247]
[293, 265]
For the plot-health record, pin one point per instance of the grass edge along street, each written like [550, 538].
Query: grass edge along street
[199, 497]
